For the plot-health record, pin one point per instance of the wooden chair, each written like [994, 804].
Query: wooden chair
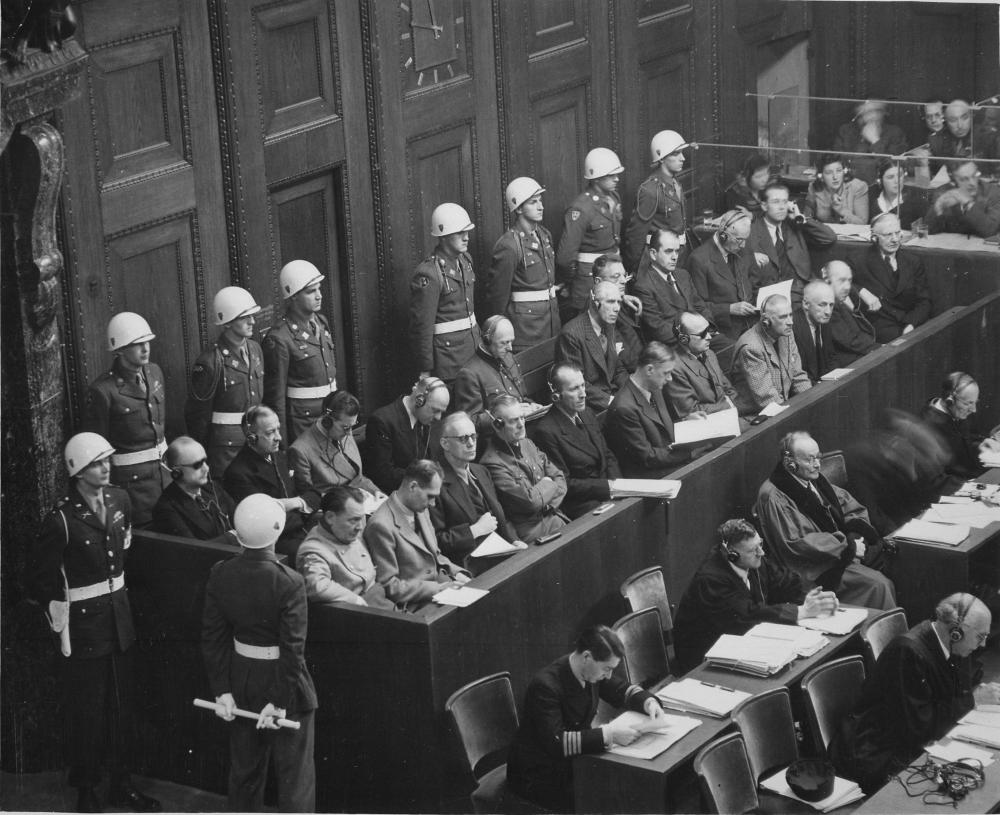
[768, 730]
[724, 774]
[645, 659]
[647, 589]
[879, 632]
[830, 692]
[485, 718]
[834, 467]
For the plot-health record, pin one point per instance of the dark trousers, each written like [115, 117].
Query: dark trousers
[249, 752]
[99, 707]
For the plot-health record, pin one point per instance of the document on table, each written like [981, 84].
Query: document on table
[806, 641]
[842, 621]
[752, 655]
[976, 734]
[835, 374]
[784, 288]
[657, 734]
[927, 532]
[645, 487]
[701, 697]
[462, 596]
[773, 409]
[844, 792]
[725, 424]
[955, 750]
[976, 515]
[989, 459]
[973, 489]
[493, 546]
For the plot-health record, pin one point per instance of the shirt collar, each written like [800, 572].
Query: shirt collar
[743, 573]
[410, 413]
[945, 647]
[642, 390]
[773, 229]
[598, 328]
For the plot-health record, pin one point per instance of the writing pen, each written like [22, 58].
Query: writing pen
[719, 687]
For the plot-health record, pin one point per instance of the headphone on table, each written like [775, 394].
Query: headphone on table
[423, 388]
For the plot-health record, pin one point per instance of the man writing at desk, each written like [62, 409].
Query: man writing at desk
[559, 705]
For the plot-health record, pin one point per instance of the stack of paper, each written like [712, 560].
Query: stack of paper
[842, 621]
[773, 409]
[702, 698]
[957, 750]
[717, 427]
[975, 514]
[989, 458]
[806, 641]
[979, 727]
[844, 792]
[835, 374]
[928, 532]
[973, 489]
[645, 487]
[657, 734]
[752, 655]
[784, 288]
[462, 596]
[495, 546]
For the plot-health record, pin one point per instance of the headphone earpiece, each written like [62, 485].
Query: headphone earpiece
[682, 337]
[956, 633]
[731, 556]
[327, 420]
[497, 423]
[424, 387]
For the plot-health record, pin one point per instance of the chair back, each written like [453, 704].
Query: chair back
[723, 770]
[765, 720]
[880, 631]
[833, 466]
[645, 659]
[646, 589]
[485, 718]
[830, 692]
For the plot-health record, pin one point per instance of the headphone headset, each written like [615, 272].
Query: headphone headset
[247, 423]
[729, 220]
[497, 423]
[874, 238]
[731, 555]
[424, 387]
[682, 337]
[956, 633]
[954, 383]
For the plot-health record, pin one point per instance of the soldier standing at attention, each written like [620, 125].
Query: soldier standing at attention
[299, 362]
[521, 280]
[77, 575]
[659, 201]
[443, 330]
[592, 227]
[127, 406]
[226, 381]
[253, 643]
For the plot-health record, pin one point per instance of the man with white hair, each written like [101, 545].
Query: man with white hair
[851, 333]
[811, 329]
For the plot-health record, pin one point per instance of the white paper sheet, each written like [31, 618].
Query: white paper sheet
[784, 288]
[725, 424]
[462, 596]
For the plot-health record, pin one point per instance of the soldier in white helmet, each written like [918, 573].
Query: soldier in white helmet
[77, 575]
[127, 406]
[591, 228]
[299, 357]
[227, 380]
[443, 331]
[659, 201]
[521, 283]
[253, 643]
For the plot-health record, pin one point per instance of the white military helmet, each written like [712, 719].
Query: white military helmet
[127, 328]
[259, 521]
[297, 275]
[231, 303]
[447, 219]
[601, 162]
[521, 189]
[664, 143]
[84, 449]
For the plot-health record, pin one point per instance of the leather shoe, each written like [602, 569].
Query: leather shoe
[87, 800]
[130, 798]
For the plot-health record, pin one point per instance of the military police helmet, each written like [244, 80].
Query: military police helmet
[447, 219]
[231, 303]
[520, 190]
[601, 162]
[127, 328]
[664, 143]
[259, 521]
[297, 275]
[84, 449]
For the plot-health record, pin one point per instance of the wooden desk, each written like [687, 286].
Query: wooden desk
[611, 783]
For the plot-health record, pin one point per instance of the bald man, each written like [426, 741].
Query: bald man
[811, 329]
[923, 682]
[959, 138]
[698, 384]
[193, 505]
[766, 366]
[851, 333]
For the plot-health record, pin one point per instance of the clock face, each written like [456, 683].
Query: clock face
[432, 39]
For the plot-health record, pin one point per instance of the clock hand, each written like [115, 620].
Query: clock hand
[437, 29]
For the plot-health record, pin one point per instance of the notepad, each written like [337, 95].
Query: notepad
[773, 409]
[784, 288]
[645, 487]
[928, 532]
[657, 734]
[701, 697]
[495, 546]
[752, 655]
[844, 792]
[842, 621]
[806, 641]
[462, 596]
[716, 427]
[988, 737]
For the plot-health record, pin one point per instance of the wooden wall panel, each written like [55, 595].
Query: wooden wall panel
[559, 147]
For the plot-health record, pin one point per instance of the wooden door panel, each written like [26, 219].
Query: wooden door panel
[555, 24]
[561, 127]
[666, 95]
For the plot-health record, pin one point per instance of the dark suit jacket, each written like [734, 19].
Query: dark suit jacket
[640, 436]
[811, 364]
[982, 218]
[719, 288]
[661, 305]
[852, 334]
[603, 371]
[701, 385]
[582, 454]
[177, 513]
[391, 445]
[630, 335]
[798, 239]
[454, 512]
[904, 294]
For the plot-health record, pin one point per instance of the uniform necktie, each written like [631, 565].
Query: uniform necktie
[244, 356]
[100, 510]
[140, 381]
[314, 328]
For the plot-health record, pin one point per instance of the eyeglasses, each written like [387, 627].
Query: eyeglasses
[705, 333]
[468, 438]
[195, 465]
[982, 637]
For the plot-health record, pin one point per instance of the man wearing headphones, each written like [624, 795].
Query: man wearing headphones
[697, 384]
[735, 588]
[819, 530]
[923, 682]
[404, 430]
[627, 326]
[811, 329]
[851, 333]
[766, 366]
[193, 505]
[530, 487]
[950, 415]
[262, 467]
[590, 342]
[491, 371]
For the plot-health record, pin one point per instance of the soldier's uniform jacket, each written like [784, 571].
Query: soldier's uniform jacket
[222, 382]
[659, 204]
[592, 226]
[523, 262]
[294, 358]
[131, 417]
[73, 539]
[442, 289]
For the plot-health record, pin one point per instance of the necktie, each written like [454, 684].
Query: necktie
[741, 292]
[787, 272]
[422, 437]
[603, 339]
[818, 341]
[244, 356]
[100, 510]
[140, 381]
[314, 328]
[891, 260]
